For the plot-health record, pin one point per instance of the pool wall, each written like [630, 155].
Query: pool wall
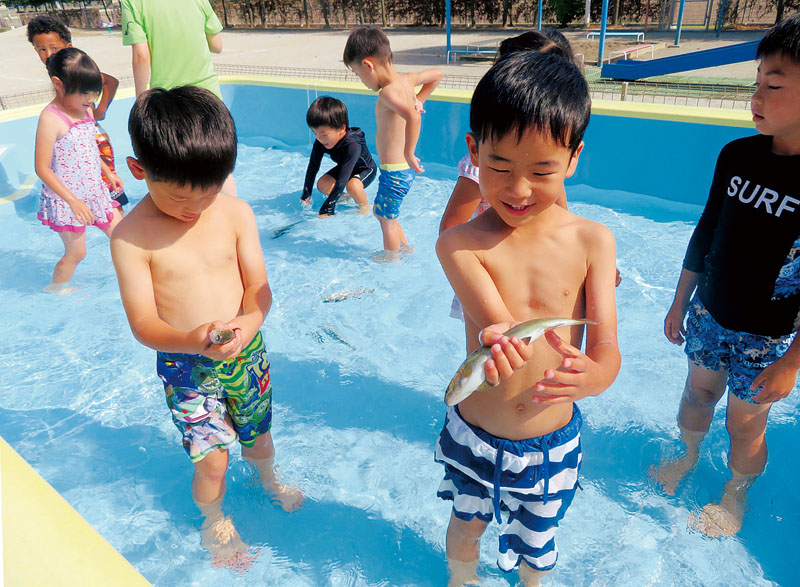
[663, 151]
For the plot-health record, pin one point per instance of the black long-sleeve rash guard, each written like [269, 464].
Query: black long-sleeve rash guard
[350, 154]
[746, 244]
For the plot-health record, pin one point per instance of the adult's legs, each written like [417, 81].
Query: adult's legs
[74, 253]
[701, 393]
[262, 456]
[463, 549]
[747, 426]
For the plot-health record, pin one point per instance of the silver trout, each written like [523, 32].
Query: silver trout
[471, 375]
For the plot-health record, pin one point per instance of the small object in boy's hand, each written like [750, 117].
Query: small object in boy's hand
[220, 336]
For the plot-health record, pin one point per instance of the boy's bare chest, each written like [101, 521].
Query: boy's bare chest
[545, 280]
[199, 256]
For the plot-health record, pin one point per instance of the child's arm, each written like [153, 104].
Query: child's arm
[394, 98]
[428, 79]
[580, 374]
[110, 84]
[674, 329]
[463, 202]
[116, 182]
[257, 297]
[778, 379]
[46, 136]
[311, 171]
[141, 67]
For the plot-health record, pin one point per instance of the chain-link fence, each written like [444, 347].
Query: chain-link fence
[656, 92]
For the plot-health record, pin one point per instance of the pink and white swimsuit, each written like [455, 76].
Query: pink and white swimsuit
[76, 162]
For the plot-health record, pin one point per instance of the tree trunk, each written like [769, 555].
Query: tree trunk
[84, 17]
[344, 12]
[224, 14]
[616, 11]
[507, 9]
[472, 13]
[324, 5]
[780, 6]
[383, 13]
[305, 11]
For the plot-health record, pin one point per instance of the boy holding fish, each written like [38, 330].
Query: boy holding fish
[512, 451]
[194, 286]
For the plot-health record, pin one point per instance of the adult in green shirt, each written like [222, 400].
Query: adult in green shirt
[172, 42]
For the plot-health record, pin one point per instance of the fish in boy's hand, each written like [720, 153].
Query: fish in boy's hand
[220, 336]
[471, 375]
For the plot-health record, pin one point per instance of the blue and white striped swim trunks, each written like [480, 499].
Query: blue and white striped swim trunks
[533, 481]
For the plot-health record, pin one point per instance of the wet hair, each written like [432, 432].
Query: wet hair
[185, 136]
[547, 41]
[327, 111]
[782, 39]
[531, 91]
[43, 24]
[366, 42]
[77, 71]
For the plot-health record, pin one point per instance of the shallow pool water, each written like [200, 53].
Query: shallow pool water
[358, 388]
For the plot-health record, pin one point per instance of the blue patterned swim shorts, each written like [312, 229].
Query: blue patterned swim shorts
[393, 186]
[741, 354]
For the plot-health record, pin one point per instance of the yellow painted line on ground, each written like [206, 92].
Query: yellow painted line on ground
[46, 542]
[22, 191]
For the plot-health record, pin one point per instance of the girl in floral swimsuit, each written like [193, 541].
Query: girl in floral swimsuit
[68, 162]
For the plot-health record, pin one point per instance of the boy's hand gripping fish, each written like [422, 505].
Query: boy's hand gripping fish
[220, 336]
[471, 375]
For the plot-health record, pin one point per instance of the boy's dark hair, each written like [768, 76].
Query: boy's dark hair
[327, 111]
[43, 24]
[366, 42]
[531, 91]
[184, 136]
[547, 41]
[77, 71]
[783, 39]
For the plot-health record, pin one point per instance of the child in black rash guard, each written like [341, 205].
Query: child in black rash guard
[354, 170]
[739, 290]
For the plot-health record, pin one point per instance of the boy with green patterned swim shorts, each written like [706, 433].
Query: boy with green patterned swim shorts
[189, 263]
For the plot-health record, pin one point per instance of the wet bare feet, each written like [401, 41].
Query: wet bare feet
[58, 288]
[225, 545]
[716, 521]
[288, 497]
[670, 473]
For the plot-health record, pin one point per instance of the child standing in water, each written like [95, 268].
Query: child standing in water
[68, 162]
[397, 113]
[48, 36]
[189, 262]
[739, 297]
[512, 453]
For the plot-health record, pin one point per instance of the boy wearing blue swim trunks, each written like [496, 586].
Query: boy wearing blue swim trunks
[512, 453]
[739, 290]
[189, 263]
[397, 114]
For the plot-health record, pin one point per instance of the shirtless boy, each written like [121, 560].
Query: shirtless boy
[397, 114]
[189, 262]
[513, 452]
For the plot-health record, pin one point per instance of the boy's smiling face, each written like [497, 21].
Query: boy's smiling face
[47, 44]
[776, 103]
[522, 178]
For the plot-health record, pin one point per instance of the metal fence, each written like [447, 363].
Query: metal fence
[655, 92]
